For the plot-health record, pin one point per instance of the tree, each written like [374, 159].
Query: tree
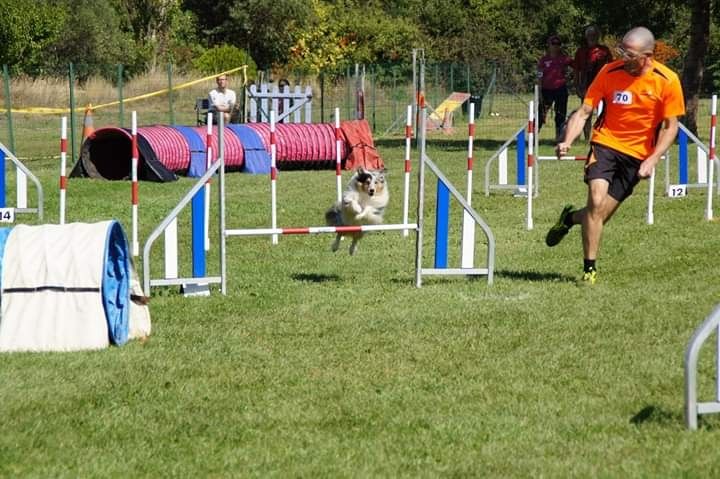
[27, 33]
[159, 27]
[692, 74]
[92, 39]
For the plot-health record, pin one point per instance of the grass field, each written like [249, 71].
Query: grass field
[324, 365]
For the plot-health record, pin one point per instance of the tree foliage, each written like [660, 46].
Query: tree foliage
[315, 35]
[224, 57]
[27, 33]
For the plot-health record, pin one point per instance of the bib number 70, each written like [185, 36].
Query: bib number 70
[622, 97]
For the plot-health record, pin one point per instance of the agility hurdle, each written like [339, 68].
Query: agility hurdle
[224, 232]
[444, 190]
[22, 173]
[706, 160]
[501, 156]
[685, 139]
[693, 408]
[713, 157]
[198, 283]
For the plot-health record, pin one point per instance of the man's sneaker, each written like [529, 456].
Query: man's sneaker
[590, 277]
[560, 229]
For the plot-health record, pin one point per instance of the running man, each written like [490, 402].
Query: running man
[643, 100]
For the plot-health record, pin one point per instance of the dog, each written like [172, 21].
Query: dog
[363, 203]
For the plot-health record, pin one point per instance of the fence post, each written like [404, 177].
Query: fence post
[436, 85]
[372, 79]
[322, 96]
[452, 77]
[491, 86]
[8, 108]
[73, 127]
[468, 78]
[348, 101]
[121, 106]
[170, 93]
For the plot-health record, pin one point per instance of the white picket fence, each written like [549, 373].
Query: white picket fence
[288, 103]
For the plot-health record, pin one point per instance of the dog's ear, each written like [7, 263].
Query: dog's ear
[360, 170]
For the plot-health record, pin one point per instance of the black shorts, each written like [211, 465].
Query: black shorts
[618, 169]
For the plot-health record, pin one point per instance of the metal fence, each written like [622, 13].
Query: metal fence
[33, 108]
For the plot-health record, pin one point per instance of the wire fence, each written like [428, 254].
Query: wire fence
[33, 108]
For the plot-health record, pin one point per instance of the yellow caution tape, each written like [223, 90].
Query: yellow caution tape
[55, 111]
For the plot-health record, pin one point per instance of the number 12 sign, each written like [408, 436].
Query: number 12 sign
[677, 191]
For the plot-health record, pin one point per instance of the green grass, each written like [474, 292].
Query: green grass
[324, 365]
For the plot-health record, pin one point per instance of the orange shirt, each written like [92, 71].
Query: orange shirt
[634, 107]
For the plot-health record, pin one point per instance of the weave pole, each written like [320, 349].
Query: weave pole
[338, 157]
[530, 163]
[208, 162]
[63, 161]
[273, 176]
[650, 219]
[134, 196]
[712, 158]
[468, 229]
[408, 167]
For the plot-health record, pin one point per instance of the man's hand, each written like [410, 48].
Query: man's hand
[562, 149]
[646, 168]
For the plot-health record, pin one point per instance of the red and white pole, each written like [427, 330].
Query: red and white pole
[408, 165]
[208, 163]
[273, 176]
[712, 156]
[530, 162]
[308, 230]
[338, 158]
[63, 161]
[135, 197]
[468, 231]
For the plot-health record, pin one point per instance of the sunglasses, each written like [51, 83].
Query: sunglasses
[626, 54]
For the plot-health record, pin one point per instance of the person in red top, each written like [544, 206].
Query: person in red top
[589, 59]
[552, 77]
[643, 100]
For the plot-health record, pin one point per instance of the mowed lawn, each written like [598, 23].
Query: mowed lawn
[319, 364]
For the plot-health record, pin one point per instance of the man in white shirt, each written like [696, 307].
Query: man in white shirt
[222, 99]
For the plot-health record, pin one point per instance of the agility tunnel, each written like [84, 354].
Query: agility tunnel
[168, 151]
[68, 287]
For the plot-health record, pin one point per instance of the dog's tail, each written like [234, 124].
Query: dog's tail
[333, 216]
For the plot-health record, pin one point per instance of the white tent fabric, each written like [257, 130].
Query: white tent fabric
[65, 288]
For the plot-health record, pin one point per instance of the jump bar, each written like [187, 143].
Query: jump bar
[319, 229]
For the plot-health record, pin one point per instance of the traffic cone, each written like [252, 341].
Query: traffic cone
[88, 128]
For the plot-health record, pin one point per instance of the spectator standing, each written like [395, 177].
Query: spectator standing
[552, 78]
[589, 59]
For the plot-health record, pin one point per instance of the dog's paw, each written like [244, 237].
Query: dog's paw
[353, 248]
[355, 207]
[336, 244]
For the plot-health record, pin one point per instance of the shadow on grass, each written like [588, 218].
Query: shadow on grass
[656, 415]
[315, 278]
[534, 276]
[514, 275]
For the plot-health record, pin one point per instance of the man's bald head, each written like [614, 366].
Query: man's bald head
[640, 39]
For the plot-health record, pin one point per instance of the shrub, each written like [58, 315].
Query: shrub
[225, 57]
